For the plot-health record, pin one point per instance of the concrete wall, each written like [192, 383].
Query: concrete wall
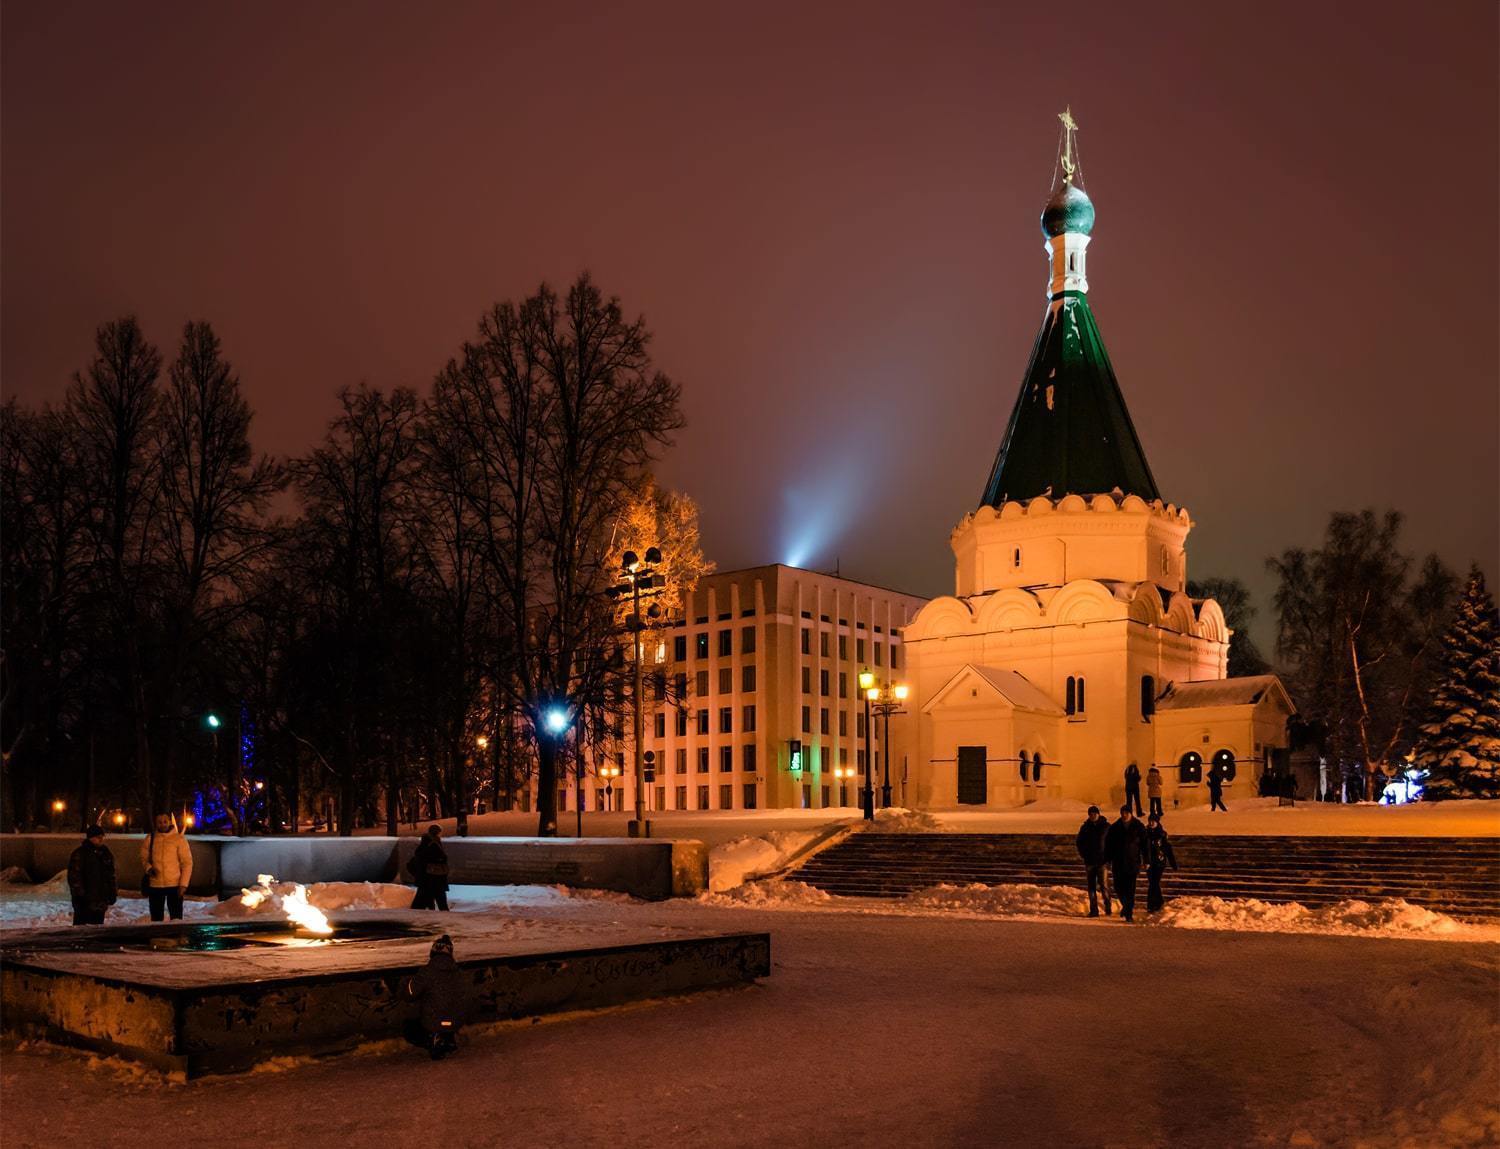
[656, 868]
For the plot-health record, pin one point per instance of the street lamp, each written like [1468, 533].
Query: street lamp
[609, 771]
[842, 773]
[638, 574]
[886, 703]
[867, 689]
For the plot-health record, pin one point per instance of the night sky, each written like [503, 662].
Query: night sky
[828, 216]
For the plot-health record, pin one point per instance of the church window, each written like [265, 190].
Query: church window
[1025, 764]
[1190, 768]
[1072, 261]
[1077, 703]
[1016, 559]
[1224, 760]
[1036, 769]
[1148, 697]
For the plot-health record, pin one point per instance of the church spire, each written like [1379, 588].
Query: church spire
[1070, 432]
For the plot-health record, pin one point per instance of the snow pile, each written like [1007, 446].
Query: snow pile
[34, 905]
[731, 863]
[999, 900]
[896, 820]
[328, 896]
[1398, 917]
[769, 895]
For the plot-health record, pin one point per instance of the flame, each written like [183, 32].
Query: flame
[292, 902]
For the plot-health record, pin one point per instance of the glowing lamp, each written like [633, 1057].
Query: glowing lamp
[901, 691]
[58, 805]
[212, 720]
[555, 720]
[482, 741]
[188, 820]
[873, 694]
[866, 680]
[119, 819]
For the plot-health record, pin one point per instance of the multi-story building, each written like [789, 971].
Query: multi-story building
[759, 693]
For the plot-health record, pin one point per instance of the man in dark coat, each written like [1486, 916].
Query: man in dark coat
[1158, 857]
[438, 992]
[1125, 846]
[1133, 788]
[429, 867]
[91, 879]
[1091, 850]
[1216, 789]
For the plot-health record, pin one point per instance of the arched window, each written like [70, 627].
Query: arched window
[1025, 762]
[1082, 702]
[1190, 768]
[1036, 769]
[1224, 760]
[1071, 702]
[1016, 559]
[1148, 697]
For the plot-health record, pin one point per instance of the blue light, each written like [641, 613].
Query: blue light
[555, 720]
[212, 720]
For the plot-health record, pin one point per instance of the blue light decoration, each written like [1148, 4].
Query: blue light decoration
[555, 720]
[1405, 787]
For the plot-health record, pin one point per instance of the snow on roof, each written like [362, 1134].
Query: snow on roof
[1220, 692]
[1017, 689]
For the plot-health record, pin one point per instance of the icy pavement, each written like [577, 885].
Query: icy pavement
[883, 1030]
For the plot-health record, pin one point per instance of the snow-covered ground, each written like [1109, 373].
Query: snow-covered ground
[941, 1024]
[1054, 816]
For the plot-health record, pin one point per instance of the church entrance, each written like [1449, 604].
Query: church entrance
[973, 780]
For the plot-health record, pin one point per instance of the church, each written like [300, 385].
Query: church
[1070, 647]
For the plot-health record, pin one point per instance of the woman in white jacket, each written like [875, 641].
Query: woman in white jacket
[168, 863]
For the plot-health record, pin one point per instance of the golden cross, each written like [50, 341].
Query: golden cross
[1070, 125]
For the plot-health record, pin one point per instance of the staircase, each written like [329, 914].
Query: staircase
[1455, 875]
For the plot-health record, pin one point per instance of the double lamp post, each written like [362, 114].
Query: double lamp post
[885, 702]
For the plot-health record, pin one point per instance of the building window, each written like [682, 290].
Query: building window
[747, 640]
[679, 796]
[749, 793]
[1190, 768]
[1076, 701]
[726, 759]
[750, 759]
[726, 797]
[703, 759]
[747, 679]
[807, 680]
[1224, 762]
[859, 725]
[726, 643]
[680, 684]
[700, 643]
[681, 722]
[823, 683]
[843, 685]
[806, 640]
[1025, 766]
[747, 723]
[825, 797]
[703, 722]
[843, 755]
[659, 686]
[681, 761]
[661, 725]
[726, 720]
[1148, 697]
[895, 656]
[843, 646]
[807, 720]
[843, 724]
[703, 797]
[825, 762]
[859, 650]
[679, 648]
[823, 643]
[823, 720]
[879, 653]
[726, 680]
[807, 795]
[661, 797]
[859, 759]
[700, 683]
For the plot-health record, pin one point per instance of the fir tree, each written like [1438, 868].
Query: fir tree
[1460, 743]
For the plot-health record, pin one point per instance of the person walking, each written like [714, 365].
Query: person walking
[91, 879]
[1153, 790]
[1133, 788]
[1216, 789]
[1090, 843]
[167, 861]
[429, 866]
[438, 992]
[1158, 857]
[1125, 847]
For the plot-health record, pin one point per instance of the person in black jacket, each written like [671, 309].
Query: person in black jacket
[91, 879]
[1133, 788]
[429, 866]
[1158, 857]
[1125, 846]
[438, 992]
[1216, 789]
[1091, 850]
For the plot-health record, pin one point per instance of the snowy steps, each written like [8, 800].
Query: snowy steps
[1456, 875]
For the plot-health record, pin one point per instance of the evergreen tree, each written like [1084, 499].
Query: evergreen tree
[1460, 743]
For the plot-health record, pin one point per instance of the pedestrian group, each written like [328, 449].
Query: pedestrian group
[1115, 853]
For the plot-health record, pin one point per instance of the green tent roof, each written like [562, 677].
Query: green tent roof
[1070, 432]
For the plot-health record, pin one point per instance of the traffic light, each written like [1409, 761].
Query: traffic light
[650, 764]
[795, 760]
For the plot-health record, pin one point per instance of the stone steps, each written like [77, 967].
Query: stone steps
[1456, 875]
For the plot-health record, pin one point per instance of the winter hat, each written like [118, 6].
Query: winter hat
[94, 831]
[444, 945]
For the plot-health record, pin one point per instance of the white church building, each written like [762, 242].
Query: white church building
[1070, 647]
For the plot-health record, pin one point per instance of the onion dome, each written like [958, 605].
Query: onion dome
[1069, 210]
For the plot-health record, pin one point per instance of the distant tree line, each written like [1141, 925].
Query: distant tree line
[378, 626]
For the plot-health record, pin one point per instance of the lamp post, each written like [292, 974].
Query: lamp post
[887, 702]
[842, 773]
[639, 574]
[609, 772]
[556, 718]
[867, 688]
